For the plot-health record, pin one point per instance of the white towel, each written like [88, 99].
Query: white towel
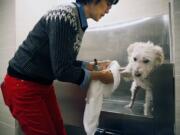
[94, 99]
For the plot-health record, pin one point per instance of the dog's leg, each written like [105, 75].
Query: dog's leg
[126, 72]
[134, 89]
[148, 102]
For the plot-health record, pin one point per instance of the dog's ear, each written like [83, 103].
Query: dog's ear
[159, 55]
[131, 48]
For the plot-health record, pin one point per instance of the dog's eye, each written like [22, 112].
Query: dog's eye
[135, 59]
[146, 61]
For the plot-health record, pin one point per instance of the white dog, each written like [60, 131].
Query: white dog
[143, 59]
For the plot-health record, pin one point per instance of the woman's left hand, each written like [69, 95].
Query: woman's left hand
[103, 64]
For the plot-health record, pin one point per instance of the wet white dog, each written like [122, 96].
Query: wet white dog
[143, 58]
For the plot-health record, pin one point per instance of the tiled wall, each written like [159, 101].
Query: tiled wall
[7, 47]
[176, 28]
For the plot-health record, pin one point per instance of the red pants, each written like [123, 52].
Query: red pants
[34, 106]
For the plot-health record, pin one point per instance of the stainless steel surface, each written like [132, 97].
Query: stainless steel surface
[72, 101]
[111, 42]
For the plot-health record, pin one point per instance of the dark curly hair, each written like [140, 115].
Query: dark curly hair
[111, 2]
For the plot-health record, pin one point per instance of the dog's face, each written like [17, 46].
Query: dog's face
[143, 58]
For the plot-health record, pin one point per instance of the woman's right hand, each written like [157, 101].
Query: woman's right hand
[105, 76]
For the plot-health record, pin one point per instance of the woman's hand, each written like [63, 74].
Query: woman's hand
[103, 64]
[105, 76]
[90, 66]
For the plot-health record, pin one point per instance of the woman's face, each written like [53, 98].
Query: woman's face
[99, 10]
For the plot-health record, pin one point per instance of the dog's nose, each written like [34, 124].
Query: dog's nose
[137, 74]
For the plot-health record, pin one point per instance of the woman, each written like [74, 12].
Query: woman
[49, 53]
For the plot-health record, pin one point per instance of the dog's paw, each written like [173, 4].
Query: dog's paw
[147, 114]
[128, 106]
[126, 75]
[147, 110]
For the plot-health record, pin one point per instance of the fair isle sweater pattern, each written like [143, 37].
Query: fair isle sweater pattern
[66, 13]
[63, 12]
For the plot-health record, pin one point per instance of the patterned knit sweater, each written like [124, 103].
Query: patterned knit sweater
[50, 49]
